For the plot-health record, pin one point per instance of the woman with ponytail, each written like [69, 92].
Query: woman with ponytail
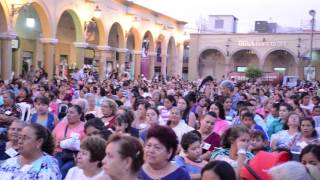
[35, 146]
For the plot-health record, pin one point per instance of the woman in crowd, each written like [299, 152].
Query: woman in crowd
[210, 139]
[218, 170]
[169, 102]
[108, 109]
[100, 96]
[124, 157]
[24, 96]
[221, 124]
[152, 119]
[140, 116]
[183, 105]
[283, 138]
[123, 125]
[311, 155]
[308, 136]
[305, 102]
[89, 160]
[67, 135]
[160, 149]
[10, 148]
[178, 125]
[92, 108]
[42, 115]
[235, 142]
[200, 108]
[95, 126]
[34, 161]
[229, 113]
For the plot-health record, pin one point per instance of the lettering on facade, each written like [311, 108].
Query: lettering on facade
[261, 44]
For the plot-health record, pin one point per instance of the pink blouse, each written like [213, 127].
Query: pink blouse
[60, 129]
[220, 126]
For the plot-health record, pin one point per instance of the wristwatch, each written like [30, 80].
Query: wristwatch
[241, 151]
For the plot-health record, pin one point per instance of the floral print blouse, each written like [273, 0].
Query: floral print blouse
[45, 168]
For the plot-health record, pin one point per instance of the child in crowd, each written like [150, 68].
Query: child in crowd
[190, 160]
[316, 116]
[248, 121]
[258, 142]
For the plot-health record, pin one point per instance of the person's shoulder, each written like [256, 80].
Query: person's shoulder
[180, 173]
[219, 152]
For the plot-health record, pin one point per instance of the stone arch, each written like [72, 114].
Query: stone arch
[133, 32]
[171, 56]
[69, 50]
[148, 35]
[282, 60]
[101, 31]
[284, 49]
[160, 48]
[116, 40]
[76, 21]
[244, 57]
[213, 47]
[211, 61]
[231, 53]
[4, 17]
[147, 47]
[45, 19]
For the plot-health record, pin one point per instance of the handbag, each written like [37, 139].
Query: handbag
[66, 154]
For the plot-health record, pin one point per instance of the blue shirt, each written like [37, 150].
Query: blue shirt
[191, 169]
[178, 174]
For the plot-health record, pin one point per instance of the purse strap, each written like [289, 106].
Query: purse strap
[66, 131]
[251, 171]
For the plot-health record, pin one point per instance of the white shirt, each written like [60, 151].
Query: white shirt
[77, 173]
[181, 129]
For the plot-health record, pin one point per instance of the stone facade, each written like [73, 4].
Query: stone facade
[67, 33]
[220, 54]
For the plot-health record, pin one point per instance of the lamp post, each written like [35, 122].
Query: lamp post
[313, 14]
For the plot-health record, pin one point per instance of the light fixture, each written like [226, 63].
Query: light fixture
[30, 22]
[97, 12]
[312, 13]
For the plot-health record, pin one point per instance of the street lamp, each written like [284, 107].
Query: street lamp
[312, 13]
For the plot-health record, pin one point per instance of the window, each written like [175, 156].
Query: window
[280, 70]
[241, 69]
[218, 24]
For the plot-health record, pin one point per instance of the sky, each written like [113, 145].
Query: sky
[287, 13]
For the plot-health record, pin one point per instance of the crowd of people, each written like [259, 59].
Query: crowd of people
[168, 129]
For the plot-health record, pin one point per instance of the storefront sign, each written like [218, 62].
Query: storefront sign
[262, 44]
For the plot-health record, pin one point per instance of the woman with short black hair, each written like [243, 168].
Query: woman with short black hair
[160, 148]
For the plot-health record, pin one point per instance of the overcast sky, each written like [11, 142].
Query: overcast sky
[287, 13]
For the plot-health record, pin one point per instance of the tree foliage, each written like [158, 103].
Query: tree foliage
[253, 72]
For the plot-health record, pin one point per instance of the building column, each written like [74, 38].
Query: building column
[6, 54]
[49, 59]
[227, 67]
[178, 61]
[80, 46]
[104, 56]
[153, 56]
[122, 59]
[137, 64]
[164, 65]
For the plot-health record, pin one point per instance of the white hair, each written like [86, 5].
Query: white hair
[290, 170]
